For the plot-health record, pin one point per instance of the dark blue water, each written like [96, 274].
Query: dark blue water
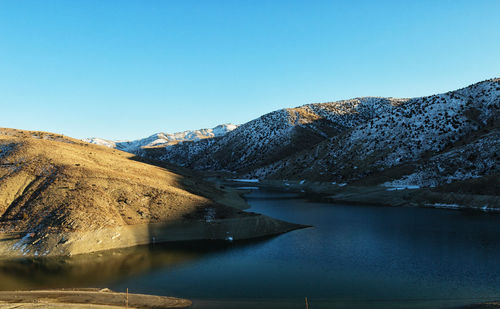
[353, 257]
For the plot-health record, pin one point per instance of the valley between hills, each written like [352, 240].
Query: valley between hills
[61, 196]
[433, 151]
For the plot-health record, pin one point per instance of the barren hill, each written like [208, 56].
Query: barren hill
[60, 195]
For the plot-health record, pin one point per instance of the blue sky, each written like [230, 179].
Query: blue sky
[128, 69]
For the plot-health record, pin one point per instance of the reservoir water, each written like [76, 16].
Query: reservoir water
[352, 257]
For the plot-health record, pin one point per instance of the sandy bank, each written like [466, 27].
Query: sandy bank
[86, 298]
[71, 243]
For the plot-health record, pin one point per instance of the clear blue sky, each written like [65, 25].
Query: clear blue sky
[128, 69]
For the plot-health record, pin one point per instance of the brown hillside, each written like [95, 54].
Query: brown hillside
[61, 196]
[78, 186]
[52, 184]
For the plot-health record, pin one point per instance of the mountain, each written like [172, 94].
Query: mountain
[62, 196]
[273, 136]
[427, 141]
[163, 139]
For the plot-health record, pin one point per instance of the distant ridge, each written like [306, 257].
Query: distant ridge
[163, 139]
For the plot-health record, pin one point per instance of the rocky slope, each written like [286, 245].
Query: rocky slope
[61, 196]
[427, 142]
[163, 139]
[273, 136]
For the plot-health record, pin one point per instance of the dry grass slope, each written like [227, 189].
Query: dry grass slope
[62, 196]
[73, 185]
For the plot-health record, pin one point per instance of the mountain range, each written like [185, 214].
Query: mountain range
[163, 139]
[427, 141]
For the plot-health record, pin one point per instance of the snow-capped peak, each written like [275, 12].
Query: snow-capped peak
[164, 139]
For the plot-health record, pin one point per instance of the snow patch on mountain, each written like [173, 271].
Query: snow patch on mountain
[164, 139]
[469, 161]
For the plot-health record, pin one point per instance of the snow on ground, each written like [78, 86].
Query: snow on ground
[444, 205]
[100, 141]
[4, 149]
[210, 215]
[245, 180]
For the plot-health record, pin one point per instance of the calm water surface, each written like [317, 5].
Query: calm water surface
[353, 257]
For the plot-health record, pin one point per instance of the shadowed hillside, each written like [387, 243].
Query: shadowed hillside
[50, 184]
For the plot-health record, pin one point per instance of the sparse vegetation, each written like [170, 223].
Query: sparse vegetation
[54, 185]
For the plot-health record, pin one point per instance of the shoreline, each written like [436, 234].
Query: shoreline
[18, 245]
[87, 298]
[378, 195]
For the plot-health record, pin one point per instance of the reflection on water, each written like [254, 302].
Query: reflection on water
[353, 257]
[101, 269]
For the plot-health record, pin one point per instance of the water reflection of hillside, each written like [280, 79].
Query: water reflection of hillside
[101, 269]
